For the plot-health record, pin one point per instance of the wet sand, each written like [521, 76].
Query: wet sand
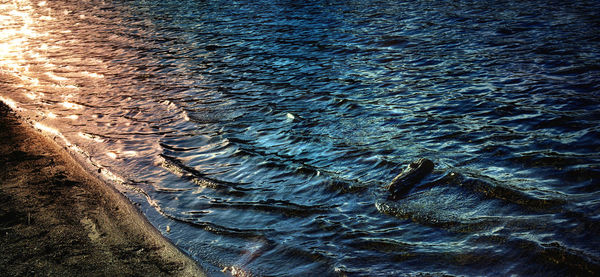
[57, 219]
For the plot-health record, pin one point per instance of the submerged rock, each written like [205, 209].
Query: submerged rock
[411, 176]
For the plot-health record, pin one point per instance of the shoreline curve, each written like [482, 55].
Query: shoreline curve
[57, 218]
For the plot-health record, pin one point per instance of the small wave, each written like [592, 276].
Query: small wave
[556, 257]
[172, 190]
[211, 115]
[382, 244]
[513, 195]
[345, 186]
[496, 191]
[177, 149]
[255, 234]
[179, 168]
[442, 215]
[271, 205]
[544, 159]
[465, 204]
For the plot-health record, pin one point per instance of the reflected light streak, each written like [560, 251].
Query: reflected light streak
[48, 130]
[17, 30]
[185, 116]
[71, 106]
[130, 153]
[9, 102]
[56, 77]
[115, 155]
[92, 75]
[34, 81]
[110, 176]
[30, 95]
[56, 134]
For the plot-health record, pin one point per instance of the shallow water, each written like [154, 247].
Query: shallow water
[263, 132]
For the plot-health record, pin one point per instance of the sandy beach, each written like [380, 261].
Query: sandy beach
[58, 220]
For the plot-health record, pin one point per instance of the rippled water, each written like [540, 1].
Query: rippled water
[263, 132]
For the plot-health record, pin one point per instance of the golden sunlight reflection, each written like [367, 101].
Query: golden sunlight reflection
[9, 102]
[47, 129]
[46, 18]
[118, 154]
[56, 77]
[30, 95]
[15, 33]
[34, 82]
[51, 115]
[129, 153]
[111, 176]
[71, 106]
[42, 76]
[92, 75]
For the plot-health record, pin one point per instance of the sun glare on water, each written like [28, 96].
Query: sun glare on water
[26, 60]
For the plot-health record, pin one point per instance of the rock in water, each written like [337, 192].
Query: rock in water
[411, 176]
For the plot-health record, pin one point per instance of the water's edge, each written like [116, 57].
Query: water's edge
[136, 197]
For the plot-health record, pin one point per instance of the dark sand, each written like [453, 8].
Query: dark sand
[57, 219]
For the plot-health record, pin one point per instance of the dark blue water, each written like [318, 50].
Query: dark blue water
[264, 132]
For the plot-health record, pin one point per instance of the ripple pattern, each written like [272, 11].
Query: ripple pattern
[265, 131]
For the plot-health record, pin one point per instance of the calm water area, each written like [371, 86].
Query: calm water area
[263, 133]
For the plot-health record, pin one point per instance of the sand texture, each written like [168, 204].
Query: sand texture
[57, 219]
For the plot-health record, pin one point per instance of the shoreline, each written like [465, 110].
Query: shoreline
[56, 218]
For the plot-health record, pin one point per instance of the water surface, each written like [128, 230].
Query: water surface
[263, 132]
